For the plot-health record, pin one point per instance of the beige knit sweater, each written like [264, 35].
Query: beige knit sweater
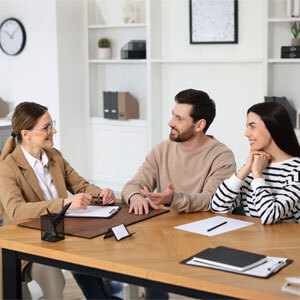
[195, 174]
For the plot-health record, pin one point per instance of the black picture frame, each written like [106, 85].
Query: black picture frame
[213, 21]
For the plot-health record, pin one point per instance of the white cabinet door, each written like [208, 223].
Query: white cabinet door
[117, 153]
[132, 151]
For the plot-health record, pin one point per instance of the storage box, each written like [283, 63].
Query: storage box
[135, 49]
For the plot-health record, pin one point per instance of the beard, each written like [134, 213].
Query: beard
[182, 137]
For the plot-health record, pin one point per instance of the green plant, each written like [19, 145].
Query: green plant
[104, 43]
[295, 29]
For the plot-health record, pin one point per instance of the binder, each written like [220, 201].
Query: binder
[230, 258]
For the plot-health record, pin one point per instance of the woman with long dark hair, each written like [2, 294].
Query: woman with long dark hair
[34, 177]
[268, 185]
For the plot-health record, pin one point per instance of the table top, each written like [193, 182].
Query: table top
[156, 249]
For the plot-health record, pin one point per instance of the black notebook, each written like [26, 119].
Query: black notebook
[230, 258]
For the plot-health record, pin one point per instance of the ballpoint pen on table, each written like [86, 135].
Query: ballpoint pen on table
[210, 229]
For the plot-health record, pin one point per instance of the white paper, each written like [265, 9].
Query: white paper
[93, 211]
[202, 226]
[262, 270]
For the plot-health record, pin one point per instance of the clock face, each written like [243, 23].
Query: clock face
[12, 36]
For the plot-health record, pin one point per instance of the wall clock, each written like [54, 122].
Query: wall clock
[12, 36]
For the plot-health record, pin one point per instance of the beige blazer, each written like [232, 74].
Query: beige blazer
[20, 194]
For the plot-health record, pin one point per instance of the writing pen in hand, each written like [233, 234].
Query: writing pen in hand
[217, 226]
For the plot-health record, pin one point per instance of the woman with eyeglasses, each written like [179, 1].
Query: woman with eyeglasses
[34, 177]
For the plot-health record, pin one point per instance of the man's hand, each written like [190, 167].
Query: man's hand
[139, 205]
[165, 197]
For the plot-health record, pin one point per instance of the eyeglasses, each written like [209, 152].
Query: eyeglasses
[48, 128]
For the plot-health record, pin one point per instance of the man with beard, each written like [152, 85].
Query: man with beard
[187, 169]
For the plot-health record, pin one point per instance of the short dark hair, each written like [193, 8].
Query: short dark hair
[203, 106]
[279, 124]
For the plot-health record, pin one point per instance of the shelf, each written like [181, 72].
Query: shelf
[205, 61]
[110, 122]
[284, 61]
[283, 20]
[117, 61]
[113, 26]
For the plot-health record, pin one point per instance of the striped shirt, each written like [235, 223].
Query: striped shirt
[274, 198]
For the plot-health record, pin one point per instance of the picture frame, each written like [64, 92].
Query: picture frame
[213, 21]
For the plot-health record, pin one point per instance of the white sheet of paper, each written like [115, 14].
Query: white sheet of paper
[93, 212]
[202, 226]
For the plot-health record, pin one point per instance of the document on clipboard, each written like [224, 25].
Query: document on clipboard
[94, 212]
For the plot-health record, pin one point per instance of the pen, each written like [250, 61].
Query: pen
[59, 217]
[97, 197]
[210, 229]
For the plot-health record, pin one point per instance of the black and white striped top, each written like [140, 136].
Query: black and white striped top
[274, 198]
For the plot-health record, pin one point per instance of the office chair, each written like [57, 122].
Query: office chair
[5, 132]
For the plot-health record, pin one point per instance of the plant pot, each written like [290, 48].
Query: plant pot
[295, 42]
[104, 53]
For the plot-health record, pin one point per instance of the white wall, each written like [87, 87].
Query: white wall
[32, 75]
[233, 86]
[51, 70]
[73, 82]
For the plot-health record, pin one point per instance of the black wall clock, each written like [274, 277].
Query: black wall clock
[12, 36]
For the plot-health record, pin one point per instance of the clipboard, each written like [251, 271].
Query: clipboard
[93, 211]
[272, 266]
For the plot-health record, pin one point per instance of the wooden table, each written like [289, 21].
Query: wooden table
[151, 257]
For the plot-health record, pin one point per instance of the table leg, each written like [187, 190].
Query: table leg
[11, 273]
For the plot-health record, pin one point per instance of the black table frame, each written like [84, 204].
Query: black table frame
[11, 264]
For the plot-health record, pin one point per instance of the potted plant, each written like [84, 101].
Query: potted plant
[104, 51]
[295, 29]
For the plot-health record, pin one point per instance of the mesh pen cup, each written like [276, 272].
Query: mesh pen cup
[52, 228]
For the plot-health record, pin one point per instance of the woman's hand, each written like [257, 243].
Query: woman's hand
[248, 167]
[259, 164]
[108, 196]
[79, 201]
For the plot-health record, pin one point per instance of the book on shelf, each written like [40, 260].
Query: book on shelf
[230, 258]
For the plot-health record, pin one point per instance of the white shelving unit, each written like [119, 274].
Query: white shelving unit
[119, 147]
[281, 75]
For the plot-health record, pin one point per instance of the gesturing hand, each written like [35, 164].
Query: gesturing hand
[164, 197]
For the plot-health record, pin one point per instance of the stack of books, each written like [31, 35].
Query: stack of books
[290, 52]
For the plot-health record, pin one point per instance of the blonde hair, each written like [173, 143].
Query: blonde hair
[25, 116]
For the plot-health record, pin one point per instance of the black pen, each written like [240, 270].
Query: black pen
[210, 229]
[97, 197]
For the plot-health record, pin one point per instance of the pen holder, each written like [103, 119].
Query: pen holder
[52, 228]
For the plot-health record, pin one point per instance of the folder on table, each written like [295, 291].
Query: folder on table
[258, 266]
[230, 258]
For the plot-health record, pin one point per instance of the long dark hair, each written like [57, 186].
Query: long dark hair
[279, 125]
